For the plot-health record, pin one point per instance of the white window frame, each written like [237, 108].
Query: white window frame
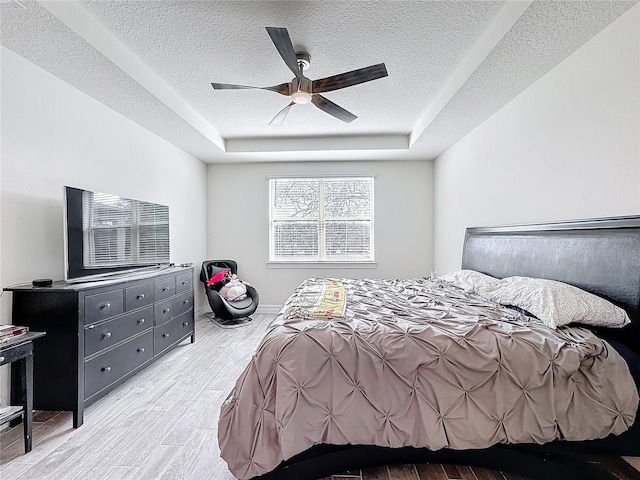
[322, 262]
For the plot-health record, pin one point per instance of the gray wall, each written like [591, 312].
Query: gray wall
[238, 226]
[566, 148]
[54, 135]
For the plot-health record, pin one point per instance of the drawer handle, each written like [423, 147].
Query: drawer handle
[106, 369]
[105, 306]
[141, 350]
[1, 359]
[106, 335]
[164, 289]
[185, 324]
[185, 282]
[165, 335]
[141, 296]
[166, 310]
[186, 302]
[141, 321]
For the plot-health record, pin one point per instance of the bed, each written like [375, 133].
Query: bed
[424, 370]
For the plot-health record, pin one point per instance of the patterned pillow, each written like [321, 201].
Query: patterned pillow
[557, 303]
[470, 280]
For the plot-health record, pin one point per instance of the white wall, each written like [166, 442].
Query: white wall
[238, 222]
[566, 148]
[54, 135]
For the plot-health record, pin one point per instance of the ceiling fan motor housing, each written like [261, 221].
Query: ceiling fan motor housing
[303, 86]
[303, 58]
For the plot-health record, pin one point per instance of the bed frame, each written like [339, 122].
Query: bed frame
[601, 256]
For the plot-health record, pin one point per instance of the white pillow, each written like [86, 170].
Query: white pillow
[470, 280]
[557, 303]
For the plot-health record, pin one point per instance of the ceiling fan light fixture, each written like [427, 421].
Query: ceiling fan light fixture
[300, 97]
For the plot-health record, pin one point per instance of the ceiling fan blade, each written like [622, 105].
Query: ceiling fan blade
[348, 79]
[282, 89]
[282, 41]
[332, 109]
[282, 114]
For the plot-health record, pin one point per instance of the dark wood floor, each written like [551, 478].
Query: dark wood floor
[162, 425]
[615, 466]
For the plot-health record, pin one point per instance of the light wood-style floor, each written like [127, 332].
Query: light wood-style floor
[162, 425]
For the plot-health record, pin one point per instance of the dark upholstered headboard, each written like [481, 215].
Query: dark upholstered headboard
[601, 256]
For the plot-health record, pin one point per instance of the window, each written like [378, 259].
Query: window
[321, 219]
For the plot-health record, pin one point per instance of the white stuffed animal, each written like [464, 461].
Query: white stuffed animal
[234, 289]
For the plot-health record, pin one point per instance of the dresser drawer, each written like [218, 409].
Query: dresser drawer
[103, 335]
[165, 288]
[172, 307]
[138, 296]
[105, 369]
[184, 282]
[172, 331]
[101, 306]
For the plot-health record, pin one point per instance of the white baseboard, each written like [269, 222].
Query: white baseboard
[261, 309]
[268, 308]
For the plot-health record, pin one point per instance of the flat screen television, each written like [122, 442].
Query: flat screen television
[107, 235]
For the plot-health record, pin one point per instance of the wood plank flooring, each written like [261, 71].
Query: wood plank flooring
[162, 425]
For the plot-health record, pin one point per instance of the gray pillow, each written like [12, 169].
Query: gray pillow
[556, 303]
[470, 280]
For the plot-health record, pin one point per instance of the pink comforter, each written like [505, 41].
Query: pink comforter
[420, 363]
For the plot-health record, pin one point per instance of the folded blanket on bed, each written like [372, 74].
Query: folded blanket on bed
[318, 299]
[419, 363]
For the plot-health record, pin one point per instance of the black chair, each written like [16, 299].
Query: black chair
[226, 313]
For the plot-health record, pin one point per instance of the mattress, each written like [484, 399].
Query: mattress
[421, 363]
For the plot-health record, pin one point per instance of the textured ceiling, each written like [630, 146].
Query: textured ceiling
[451, 64]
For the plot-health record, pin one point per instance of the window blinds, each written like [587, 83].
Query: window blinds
[321, 219]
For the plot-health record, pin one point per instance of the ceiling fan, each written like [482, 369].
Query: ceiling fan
[303, 90]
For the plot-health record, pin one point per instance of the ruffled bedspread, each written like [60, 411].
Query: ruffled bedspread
[420, 363]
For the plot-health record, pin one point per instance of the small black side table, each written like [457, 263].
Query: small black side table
[20, 349]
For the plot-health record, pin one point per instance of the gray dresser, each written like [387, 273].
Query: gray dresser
[100, 334]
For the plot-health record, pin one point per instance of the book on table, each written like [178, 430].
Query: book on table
[7, 332]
